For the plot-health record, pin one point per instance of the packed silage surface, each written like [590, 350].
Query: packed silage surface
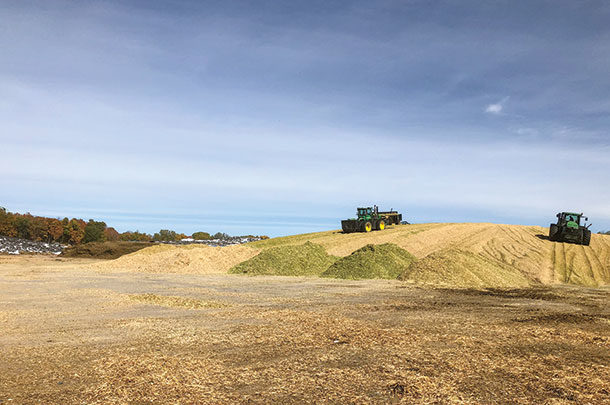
[372, 261]
[308, 259]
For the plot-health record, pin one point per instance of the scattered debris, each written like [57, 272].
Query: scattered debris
[396, 389]
[105, 250]
[15, 246]
[228, 241]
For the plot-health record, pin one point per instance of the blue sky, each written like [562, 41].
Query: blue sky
[275, 118]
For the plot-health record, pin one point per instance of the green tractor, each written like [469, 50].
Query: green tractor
[370, 219]
[569, 229]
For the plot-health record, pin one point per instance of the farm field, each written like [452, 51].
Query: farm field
[169, 325]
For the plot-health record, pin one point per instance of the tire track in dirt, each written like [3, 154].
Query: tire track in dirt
[553, 264]
[567, 263]
[584, 264]
[592, 264]
[519, 249]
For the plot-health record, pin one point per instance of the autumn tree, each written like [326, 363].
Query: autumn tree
[39, 230]
[201, 236]
[76, 231]
[23, 224]
[111, 234]
[165, 235]
[56, 229]
[7, 223]
[135, 236]
[221, 236]
[94, 231]
[65, 223]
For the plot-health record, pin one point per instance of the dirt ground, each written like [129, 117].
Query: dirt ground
[71, 335]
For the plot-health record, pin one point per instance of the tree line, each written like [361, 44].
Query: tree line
[75, 231]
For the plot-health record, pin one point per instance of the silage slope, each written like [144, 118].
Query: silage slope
[189, 259]
[478, 255]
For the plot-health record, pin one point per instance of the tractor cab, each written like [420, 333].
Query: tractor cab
[365, 213]
[570, 219]
[368, 212]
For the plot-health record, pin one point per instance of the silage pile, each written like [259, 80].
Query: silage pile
[460, 255]
[308, 259]
[372, 261]
[190, 259]
[479, 254]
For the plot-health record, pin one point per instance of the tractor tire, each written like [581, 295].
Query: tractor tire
[586, 237]
[553, 232]
[367, 226]
[381, 225]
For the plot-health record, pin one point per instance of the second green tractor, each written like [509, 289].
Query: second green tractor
[370, 219]
[569, 229]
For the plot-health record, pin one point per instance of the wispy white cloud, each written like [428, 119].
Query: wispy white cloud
[496, 108]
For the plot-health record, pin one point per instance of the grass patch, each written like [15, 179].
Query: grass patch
[176, 302]
[301, 260]
[372, 261]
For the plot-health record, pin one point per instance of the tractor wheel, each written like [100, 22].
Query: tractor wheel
[586, 237]
[553, 231]
[381, 225]
[368, 226]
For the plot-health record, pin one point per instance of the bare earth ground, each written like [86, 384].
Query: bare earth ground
[69, 334]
